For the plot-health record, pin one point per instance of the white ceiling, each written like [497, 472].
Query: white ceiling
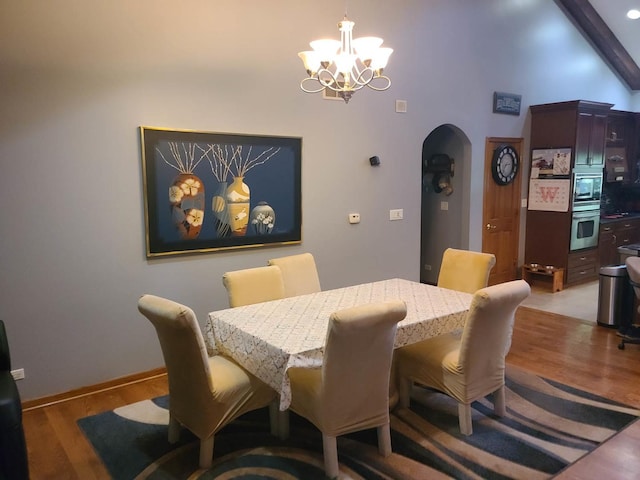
[614, 13]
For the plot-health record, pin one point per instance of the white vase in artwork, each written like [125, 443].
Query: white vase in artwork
[262, 219]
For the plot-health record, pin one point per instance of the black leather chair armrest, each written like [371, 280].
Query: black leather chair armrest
[14, 463]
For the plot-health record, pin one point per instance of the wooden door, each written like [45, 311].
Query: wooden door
[501, 214]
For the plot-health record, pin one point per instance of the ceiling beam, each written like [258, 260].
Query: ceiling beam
[596, 30]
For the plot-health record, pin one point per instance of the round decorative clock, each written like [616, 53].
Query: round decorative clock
[505, 164]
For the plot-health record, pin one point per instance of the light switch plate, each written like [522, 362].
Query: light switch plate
[396, 214]
[401, 106]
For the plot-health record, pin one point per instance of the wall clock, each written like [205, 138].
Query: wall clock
[504, 165]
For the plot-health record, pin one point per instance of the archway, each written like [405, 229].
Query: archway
[445, 200]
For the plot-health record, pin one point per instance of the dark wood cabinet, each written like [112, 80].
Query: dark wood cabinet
[619, 147]
[582, 266]
[616, 234]
[590, 134]
[582, 126]
[579, 124]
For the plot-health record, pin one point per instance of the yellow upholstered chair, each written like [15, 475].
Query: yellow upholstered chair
[253, 285]
[299, 274]
[205, 393]
[351, 390]
[469, 366]
[464, 270]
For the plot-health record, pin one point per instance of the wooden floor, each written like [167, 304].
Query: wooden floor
[574, 352]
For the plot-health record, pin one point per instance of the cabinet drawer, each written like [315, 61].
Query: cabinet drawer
[581, 259]
[579, 274]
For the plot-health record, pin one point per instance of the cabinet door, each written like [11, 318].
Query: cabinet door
[590, 134]
[626, 233]
[607, 247]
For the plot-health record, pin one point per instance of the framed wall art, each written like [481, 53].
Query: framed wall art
[205, 192]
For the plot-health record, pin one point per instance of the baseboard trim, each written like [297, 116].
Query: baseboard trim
[91, 389]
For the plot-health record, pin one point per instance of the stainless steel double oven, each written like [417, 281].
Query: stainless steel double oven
[585, 210]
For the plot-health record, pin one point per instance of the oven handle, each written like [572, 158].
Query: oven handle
[586, 214]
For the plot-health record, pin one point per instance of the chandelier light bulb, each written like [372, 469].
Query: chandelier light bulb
[346, 65]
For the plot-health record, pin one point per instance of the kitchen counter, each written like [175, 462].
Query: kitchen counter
[618, 217]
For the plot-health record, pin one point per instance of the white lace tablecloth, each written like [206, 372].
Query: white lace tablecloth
[269, 338]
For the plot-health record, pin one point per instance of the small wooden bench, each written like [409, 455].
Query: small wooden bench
[557, 275]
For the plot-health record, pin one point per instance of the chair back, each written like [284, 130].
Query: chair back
[464, 270]
[357, 366]
[299, 274]
[253, 285]
[185, 357]
[486, 337]
[633, 269]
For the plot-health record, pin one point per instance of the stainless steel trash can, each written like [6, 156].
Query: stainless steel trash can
[615, 299]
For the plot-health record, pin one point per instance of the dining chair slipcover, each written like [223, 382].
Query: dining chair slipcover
[470, 365]
[464, 270]
[253, 285]
[351, 390]
[205, 393]
[299, 274]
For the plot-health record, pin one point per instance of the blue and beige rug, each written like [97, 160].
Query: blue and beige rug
[548, 426]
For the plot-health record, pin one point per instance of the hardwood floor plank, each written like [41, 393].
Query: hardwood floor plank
[47, 458]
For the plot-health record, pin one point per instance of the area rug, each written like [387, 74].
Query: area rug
[548, 426]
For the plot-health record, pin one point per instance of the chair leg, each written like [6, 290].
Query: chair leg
[464, 418]
[499, 402]
[384, 440]
[174, 429]
[274, 418]
[282, 419]
[206, 452]
[404, 390]
[330, 452]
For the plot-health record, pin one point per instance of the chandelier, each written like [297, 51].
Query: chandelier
[347, 65]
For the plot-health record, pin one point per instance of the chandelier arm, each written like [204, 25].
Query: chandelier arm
[311, 90]
[364, 76]
[380, 89]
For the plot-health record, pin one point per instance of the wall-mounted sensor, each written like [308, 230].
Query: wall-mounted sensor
[374, 161]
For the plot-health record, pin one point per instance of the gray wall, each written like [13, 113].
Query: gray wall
[77, 79]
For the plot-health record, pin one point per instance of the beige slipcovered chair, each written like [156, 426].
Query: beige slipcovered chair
[299, 274]
[253, 285]
[464, 270]
[205, 393]
[469, 366]
[351, 390]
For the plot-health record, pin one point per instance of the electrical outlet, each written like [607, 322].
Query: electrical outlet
[396, 214]
[444, 205]
[354, 218]
[18, 374]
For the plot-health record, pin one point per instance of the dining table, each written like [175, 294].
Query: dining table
[271, 337]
